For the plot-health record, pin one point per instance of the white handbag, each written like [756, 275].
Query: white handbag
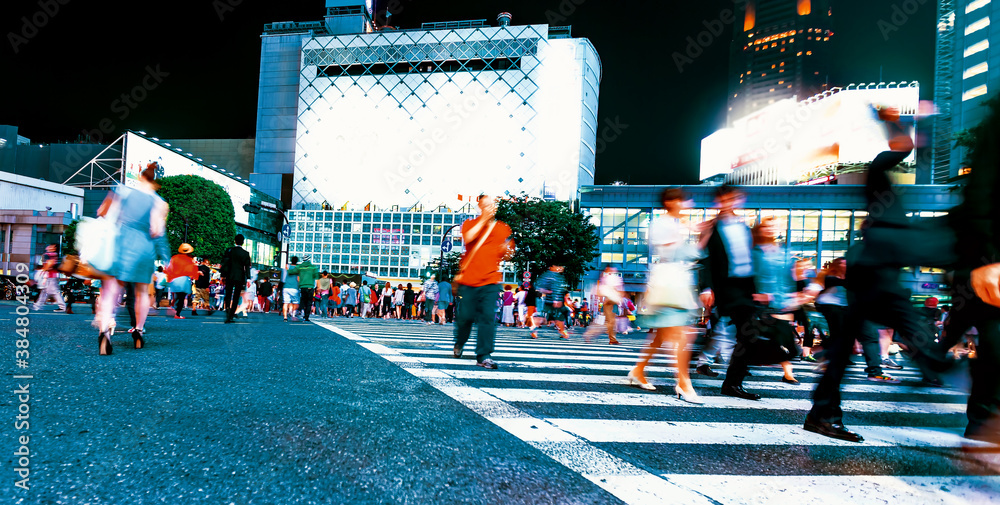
[95, 238]
[670, 285]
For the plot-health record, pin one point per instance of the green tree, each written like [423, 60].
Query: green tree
[450, 265]
[549, 233]
[69, 239]
[204, 209]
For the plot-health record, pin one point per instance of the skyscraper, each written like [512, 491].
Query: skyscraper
[780, 49]
[965, 79]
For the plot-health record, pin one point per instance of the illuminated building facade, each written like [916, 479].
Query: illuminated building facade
[350, 114]
[828, 137]
[401, 126]
[968, 74]
[780, 50]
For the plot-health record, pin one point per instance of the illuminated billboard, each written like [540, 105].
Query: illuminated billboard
[140, 151]
[419, 117]
[790, 141]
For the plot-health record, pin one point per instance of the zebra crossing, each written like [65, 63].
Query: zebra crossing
[569, 399]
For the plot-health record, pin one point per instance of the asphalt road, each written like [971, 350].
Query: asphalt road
[351, 411]
[256, 412]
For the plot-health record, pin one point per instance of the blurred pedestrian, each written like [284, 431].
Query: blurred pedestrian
[180, 272]
[507, 297]
[290, 289]
[50, 280]
[668, 245]
[610, 288]
[430, 290]
[891, 241]
[487, 243]
[444, 299]
[553, 285]
[726, 278]
[323, 285]
[202, 297]
[235, 271]
[142, 219]
[264, 292]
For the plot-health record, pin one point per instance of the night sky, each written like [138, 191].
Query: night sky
[65, 76]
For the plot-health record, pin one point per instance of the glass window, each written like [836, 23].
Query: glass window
[804, 239]
[309, 237]
[448, 219]
[367, 228]
[428, 218]
[327, 226]
[365, 249]
[404, 261]
[780, 217]
[437, 218]
[355, 249]
[611, 258]
[366, 238]
[397, 218]
[383, 271]
[407, 218]
[356, 238]
[393, 272]
[438, 230]
[338, 216]
[427, 229]
[338, 227]
[426, 240]
[335, 237]
[368, 217]
[383, 260]
[394, 261]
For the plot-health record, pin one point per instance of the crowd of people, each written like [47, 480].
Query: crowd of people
[739, 282]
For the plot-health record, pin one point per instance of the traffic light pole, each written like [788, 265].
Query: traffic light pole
[444, 235]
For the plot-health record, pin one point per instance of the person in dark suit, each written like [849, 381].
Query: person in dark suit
[726, 280]
[235, 272]
[874, 292]
[976, 284]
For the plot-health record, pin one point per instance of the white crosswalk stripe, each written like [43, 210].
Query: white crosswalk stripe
[569, 399]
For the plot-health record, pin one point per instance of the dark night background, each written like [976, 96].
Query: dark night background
[65, 78]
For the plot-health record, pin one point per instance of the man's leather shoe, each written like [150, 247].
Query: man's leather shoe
[227, 321]
[832, 430]
[706, 371]
[739, 392]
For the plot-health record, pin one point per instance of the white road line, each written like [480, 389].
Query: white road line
[598, 466]
[708, 383]
[670, 432]
[726, 402]
[624, 369]
[840, 489]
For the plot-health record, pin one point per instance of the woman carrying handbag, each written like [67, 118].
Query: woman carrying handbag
[670, 295]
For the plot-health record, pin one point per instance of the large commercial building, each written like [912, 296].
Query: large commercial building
[419, 116]
[967, 74]
[399, 126]
[824, 138]
[818, 222]
[33, 214]
[780, 50]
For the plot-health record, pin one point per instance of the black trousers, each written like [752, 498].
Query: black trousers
[234, 291]
[306, 301]
[130, 302]
[736, 301]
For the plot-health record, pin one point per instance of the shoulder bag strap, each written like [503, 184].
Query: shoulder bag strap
[475, 248]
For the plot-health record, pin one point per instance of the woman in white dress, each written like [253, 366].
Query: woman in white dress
[667, 241]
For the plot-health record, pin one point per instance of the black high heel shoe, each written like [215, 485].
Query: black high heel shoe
[137, 337]
[104, 344]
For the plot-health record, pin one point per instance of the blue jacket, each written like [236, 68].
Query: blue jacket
[773, 276]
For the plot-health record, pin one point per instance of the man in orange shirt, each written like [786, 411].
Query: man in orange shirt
[487, 243]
